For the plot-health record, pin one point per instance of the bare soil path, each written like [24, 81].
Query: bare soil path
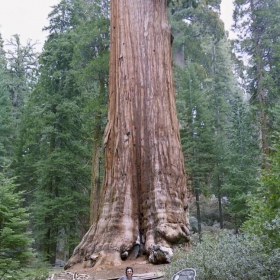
[141, 267]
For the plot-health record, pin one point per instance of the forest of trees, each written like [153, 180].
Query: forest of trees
[53, 113]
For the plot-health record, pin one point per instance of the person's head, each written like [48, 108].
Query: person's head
[129, 271]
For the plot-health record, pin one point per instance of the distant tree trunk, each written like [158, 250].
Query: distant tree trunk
[50, 237]
[198, 211]
[95, 182]
[221, 214]
[179, 57]
[144, 194]
[96, 154]
[261, 94]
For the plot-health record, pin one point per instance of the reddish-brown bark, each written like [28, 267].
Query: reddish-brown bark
[144, 190]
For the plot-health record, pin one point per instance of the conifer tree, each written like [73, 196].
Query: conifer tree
[257, 24]
[264, 219]
[196, 130]
[15, 241]
[54, 155]
[242, 163]
[91, 65]
[221, 89]
[22, 66]
[6, 127]
[200, 33]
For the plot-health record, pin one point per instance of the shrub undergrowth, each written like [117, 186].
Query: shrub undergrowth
[227, 256]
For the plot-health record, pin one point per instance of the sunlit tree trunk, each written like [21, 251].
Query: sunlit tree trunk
[144, 192]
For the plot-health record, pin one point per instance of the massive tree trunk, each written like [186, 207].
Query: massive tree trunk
[144, 194]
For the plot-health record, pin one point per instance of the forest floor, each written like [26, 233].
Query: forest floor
[141, 269]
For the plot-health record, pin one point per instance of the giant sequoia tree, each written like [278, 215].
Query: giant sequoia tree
[144, 195]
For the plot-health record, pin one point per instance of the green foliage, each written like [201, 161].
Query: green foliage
[91, 66]
[184, 3]
[15, 242]
[192, 29]
[6, 127]
[227, 256]
[36, 270]
[196, 23]
[55, 150]
[22, 66]
[257, 26]
[219, 85]
[17, 70]
[65, 16]
[40, 273]
[243, 162]
[66, 107]
[196, 131]
[265, 203]
[218, 136]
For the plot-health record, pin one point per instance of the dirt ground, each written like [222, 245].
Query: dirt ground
[141, 267]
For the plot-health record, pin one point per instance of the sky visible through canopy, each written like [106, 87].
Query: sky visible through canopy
[28, 17]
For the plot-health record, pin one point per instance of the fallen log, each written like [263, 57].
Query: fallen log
[144, 276]
[70, 276]
[81, 276]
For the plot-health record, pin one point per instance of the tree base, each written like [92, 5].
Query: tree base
[103, 258]
[157, 246]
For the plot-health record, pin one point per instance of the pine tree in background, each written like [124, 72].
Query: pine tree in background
[17, 67]
[65, 16]
[54, 156]
[264, 216]
[257, 26]
[196, 131]
[190, 27]
[68, 103]
[22, 66]
[199, 40]
[91, 66]
[264, 204]
[6, 120]
[15, 241]
[218, 92]
[20, 77]
[242, 162]
[200, 34]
